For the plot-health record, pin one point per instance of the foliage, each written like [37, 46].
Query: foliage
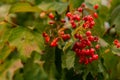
[24, 55]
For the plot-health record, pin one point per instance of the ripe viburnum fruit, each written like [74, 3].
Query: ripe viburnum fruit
[51, 16]
[96, 6]
[95, 15]
[117, 43]
[54, 42]
[85, 44]
[46, 37]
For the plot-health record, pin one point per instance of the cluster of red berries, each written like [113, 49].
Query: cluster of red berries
[54, 42]
[51, 16]
[85, 45]
[76, 17]
[117, 43]
[89, 21]
[84, 49]
[47, 40]
[64, 36]
[46, 37]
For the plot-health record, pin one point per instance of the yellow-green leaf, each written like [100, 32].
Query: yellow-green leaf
[23, 7]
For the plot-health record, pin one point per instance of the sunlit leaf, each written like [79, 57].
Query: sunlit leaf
[68, 60]
[23, 7]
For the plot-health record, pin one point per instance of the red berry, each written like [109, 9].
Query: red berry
[96, 39]
[73, 25]
[47, 39]
[51, 16]
[90, 59]
[53, 44]
[92, 51]
[90, 38]
[69, 14]
[116, 41]
[51, 22]
[55, 40]
[63, 20]
[95, 15]
[95, 57]
[88, 33]
[66, 36]
[97, 46]
[44, 34]
[83, 5]
[78, 36]
[96, 6]
[61, 33]
[86, 61]
[72, 22]
[80, 9]
[92, 23]
[77, 17]
[88, 43]
[118, 45]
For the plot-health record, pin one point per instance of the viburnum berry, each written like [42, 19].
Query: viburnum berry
[90, 59]
[63, 20]
[78, 36]
[44, 34]
[84, 49]
[116, 41]
[97, 46]
[88, 33]
[54, 42]
[95, 15]
[96, 6]
[61, 33]
[91, 38]
[72, 22]
[92, 50]
[51, 16]
[118, 45]
[77, 17]
[83, 5]
[85, 44]
[74, 25]
[42, 15]
[65, 36]
[80, 9]
[69, 14]
[86, 61]
[47, 39]
[51, 22]
[95, 57]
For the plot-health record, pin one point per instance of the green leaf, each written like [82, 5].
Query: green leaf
[5, 51]
[116, 50]
[23, 7]
[103, 43]
[67, 45]
[32, 70]
[115, 18]
[93, 1]
[68, 60]
[110, 62]
[26, 41]
[118, 70]
[75, 3]
[54, 6]
[49, 59]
